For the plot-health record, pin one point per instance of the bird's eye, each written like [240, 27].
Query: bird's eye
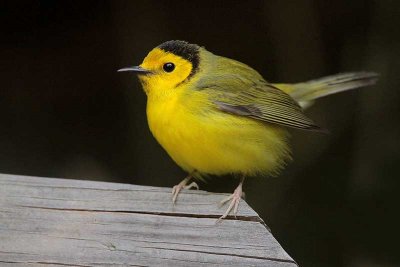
[169, 67]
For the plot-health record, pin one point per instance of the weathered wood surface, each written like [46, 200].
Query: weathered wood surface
[59, 222]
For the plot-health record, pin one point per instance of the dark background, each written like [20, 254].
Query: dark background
[66, 112]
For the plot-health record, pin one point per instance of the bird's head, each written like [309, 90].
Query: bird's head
[167, 66]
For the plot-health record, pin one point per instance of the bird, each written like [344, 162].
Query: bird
[217, 116]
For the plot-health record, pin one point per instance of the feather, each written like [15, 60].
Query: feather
[245, 93]
[310, 90]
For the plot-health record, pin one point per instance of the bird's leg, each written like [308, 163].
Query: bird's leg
[183, 185]
[234, 200]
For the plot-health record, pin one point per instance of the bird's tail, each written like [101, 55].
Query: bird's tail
[306, 92]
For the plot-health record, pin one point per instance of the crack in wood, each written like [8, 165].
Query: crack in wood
[59, 263]
[227, 254]
[144, 189]
[47, 263]
[170, 214]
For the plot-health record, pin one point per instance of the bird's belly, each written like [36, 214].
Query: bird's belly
[218, 143]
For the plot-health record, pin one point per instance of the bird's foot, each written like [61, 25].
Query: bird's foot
[182, 185]
[234, 202]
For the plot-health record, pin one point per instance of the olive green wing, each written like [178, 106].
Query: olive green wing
[243, 96]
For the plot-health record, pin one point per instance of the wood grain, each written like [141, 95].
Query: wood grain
[59, 222]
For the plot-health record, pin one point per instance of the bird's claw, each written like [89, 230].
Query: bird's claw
[234, 204]
[182, 185]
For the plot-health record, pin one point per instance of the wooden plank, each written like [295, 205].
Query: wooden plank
[84, 223]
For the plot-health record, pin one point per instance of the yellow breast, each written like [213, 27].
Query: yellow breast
[199, 137]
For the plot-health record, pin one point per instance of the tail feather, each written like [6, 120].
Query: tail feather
[310, 90]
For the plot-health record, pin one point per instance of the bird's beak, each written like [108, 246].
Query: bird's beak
[137, 69]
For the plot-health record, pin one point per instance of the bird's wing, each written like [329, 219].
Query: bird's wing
[243, 96]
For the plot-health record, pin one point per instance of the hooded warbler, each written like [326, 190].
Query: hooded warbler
[217, 116]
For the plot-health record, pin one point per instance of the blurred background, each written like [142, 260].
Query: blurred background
[66, 112]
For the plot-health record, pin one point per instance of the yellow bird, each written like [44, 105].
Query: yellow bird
[217, 116]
